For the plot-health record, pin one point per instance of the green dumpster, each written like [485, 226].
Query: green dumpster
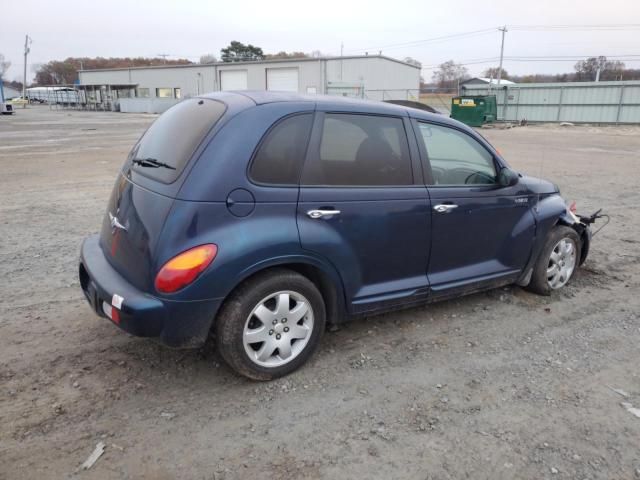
[474, 110]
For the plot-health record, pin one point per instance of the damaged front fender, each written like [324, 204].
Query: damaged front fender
[571, 220]
[549, 211]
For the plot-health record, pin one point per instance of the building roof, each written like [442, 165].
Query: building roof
[492, 81]
[277, 60]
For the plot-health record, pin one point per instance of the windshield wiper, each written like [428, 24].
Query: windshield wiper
[151, 162]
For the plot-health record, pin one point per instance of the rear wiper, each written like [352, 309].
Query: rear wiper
[151, 162]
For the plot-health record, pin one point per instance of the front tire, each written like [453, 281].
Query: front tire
[271, 324]
[557, 262]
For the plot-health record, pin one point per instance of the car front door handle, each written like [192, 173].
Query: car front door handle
[322, 213]
[444, 207]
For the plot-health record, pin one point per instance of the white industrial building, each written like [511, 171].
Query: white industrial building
[154, 89]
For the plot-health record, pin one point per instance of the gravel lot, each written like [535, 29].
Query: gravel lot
[503, 384]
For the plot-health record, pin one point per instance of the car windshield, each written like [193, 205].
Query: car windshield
[173, 137]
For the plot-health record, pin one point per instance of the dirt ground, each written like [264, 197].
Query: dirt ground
[503, 384]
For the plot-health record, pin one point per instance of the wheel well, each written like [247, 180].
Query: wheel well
[333, 303]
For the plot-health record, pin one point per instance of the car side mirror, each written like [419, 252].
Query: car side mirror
[507, 177]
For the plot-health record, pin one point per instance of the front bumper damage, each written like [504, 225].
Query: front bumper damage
[582, 225]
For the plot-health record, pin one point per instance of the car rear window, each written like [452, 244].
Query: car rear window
[281, 152]
[173, 137]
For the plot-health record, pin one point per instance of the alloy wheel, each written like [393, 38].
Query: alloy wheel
[562, 262]
[278, 329]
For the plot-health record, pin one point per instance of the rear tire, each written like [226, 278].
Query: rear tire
[557, 262]
[271, 324]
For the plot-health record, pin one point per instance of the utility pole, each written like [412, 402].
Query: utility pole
[341, 52]
[503, 30]
[27, 49]
[600, 67]
[164, 56]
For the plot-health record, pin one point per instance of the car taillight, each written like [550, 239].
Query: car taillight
[183, 269]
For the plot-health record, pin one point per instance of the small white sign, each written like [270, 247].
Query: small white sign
[116, 301]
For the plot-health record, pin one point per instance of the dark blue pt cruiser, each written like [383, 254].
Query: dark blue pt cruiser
[260, 217]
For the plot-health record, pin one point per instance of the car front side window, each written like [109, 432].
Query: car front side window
[456, 159]
[360, 150]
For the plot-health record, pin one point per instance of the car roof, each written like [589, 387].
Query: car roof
[261, 97]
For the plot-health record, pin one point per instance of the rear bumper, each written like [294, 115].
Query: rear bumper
[174, 323]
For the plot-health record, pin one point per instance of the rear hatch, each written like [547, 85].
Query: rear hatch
[143, 194]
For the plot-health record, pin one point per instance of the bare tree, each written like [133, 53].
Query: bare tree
[412, 61]
[587, 70]
[285, 55]
[15, 83]
[4, 65]
[208, 58]
[58, 72]
[449, 74]
[493, 73]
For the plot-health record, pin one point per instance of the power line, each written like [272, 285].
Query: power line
[486, 31]
[632, 59]
[431, 40]
[558, 58]
[622, 26]
[465, 63]
[571, 56]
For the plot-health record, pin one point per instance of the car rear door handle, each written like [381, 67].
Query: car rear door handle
[444, 207]
[322, 213]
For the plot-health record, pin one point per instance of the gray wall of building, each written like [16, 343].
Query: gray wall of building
[309, 73]
[381, 78]
[578, 102]
[191, 80]
[145, 105]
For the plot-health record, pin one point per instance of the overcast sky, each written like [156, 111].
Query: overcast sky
[190, 28]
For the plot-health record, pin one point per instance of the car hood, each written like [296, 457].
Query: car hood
[538, 185]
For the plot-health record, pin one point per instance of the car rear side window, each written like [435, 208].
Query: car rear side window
[456, 158]
[281, 152]
[360, 150]
[170, 141]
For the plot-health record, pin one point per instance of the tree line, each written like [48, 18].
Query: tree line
[449, 74]
[65, 72]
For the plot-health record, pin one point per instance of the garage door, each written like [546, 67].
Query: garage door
[282, 79]
[233, 80]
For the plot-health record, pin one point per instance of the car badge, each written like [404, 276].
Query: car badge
[115, 223]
